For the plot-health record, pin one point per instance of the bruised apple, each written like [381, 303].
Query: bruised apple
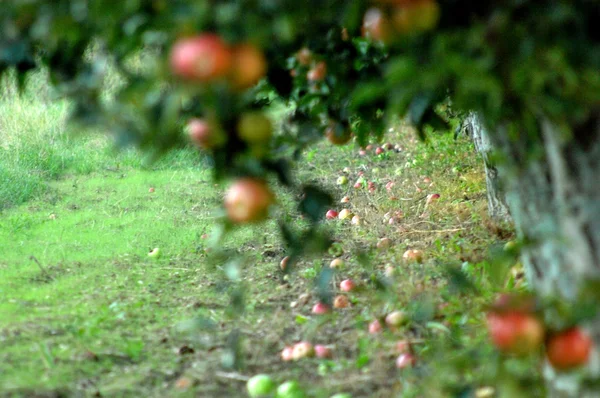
[201, 58]
[248, 200]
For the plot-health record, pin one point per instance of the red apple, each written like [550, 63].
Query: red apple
[331, 214]
[515, 332]
[201, 58]
[248, 200]
[362, 152]
[317, 72]
[413, 255]
[347, 285]
[432, 198]
[320, 308]
[405, 360]
[569, 349]
[287, 354]
[375, 327]
[249, 66]
[379, 150]
[302, 349]
[205, 135]
[151, 190]
[322, 351]
[376, 25]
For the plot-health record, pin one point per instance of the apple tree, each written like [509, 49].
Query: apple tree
[528, 73]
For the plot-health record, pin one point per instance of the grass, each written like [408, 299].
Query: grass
[84, 311]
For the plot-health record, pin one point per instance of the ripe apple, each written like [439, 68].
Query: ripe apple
[356, 220]
[427, 180]
[322, 351]
[249, 66]
[304, 56]
[432, 198]
[290, 389]
[379, 150]
[358, 184]
[154, 253]
[336, 263]
[347, 285]
[260, 386]
[284, 262]
[337, 134]
[515, 332]
[376, 25]
[413, 255]
[331, 214]
[569, 349]
[343, 180]
[320, 308]
[345, 214]
[384, 243]
[395, 318]
[248, 200]
[287, 354]
[375, 327]
[341, 301]
[255, 128]
[205, 135]
[317, 72]
[302, 349]
[201, 58]
[151, 190]
[405, 360]
[345, 199]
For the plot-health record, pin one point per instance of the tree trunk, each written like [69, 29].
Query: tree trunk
[553, 193]
[497, 207]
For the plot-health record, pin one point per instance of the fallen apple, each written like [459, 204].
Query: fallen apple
[287, 354]
[151, 190]
[260, 386]
[336, 263]
[379, 150]
[384, 243]
[331, 214]
[347, 285]
[154, 253]
[320, 308]
[395, 318]
[405, 360]
[322, 351]
[402, 346]
[345, 214]
[343, 180]
[375, 327]
[341, 301]
[413, 255]
[345, 199]
[290, 389]
[356, 220]
[432, 198]
[302, 349]
[284, 262]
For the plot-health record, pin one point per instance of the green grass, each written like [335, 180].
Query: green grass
[84, 311]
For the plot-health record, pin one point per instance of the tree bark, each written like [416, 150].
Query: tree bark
[497, 207]
[552, 186]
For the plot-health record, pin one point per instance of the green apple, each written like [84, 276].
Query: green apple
[290, 389]
[154, 253]
[343, 180]
[260, 385]
[255, 128]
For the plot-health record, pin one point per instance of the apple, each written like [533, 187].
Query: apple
[413, 255]
[432, 198]
[302, 349]
[347, 285]
[362, 152]
[248, 200]
[376, 25]
[201, 58]
[248, 67]
[389, 186]
[336, 263]
[345, 214]
[183, 383]
[356, 220]
[337, 134]
[379, 150]
[427, 180]
[402, 346]
[395, 318]
[405, 360]
[343, 180]
[304, 56]
[569, 349]
[284, 262]
[358, 185]
[375, 327]
[384, 243]
[331, 214]
[317, 72]
[341, 301]
[255, 128]
[345, 199]
[346, 170]
[151, 190]
[320, 308]
[388, 146]
[205, 135]
[416, 16]
[322, 351]
[287, 354]
[154, 253]
[260, 386]
[515, 332]
[390, 271]
[290, 389]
